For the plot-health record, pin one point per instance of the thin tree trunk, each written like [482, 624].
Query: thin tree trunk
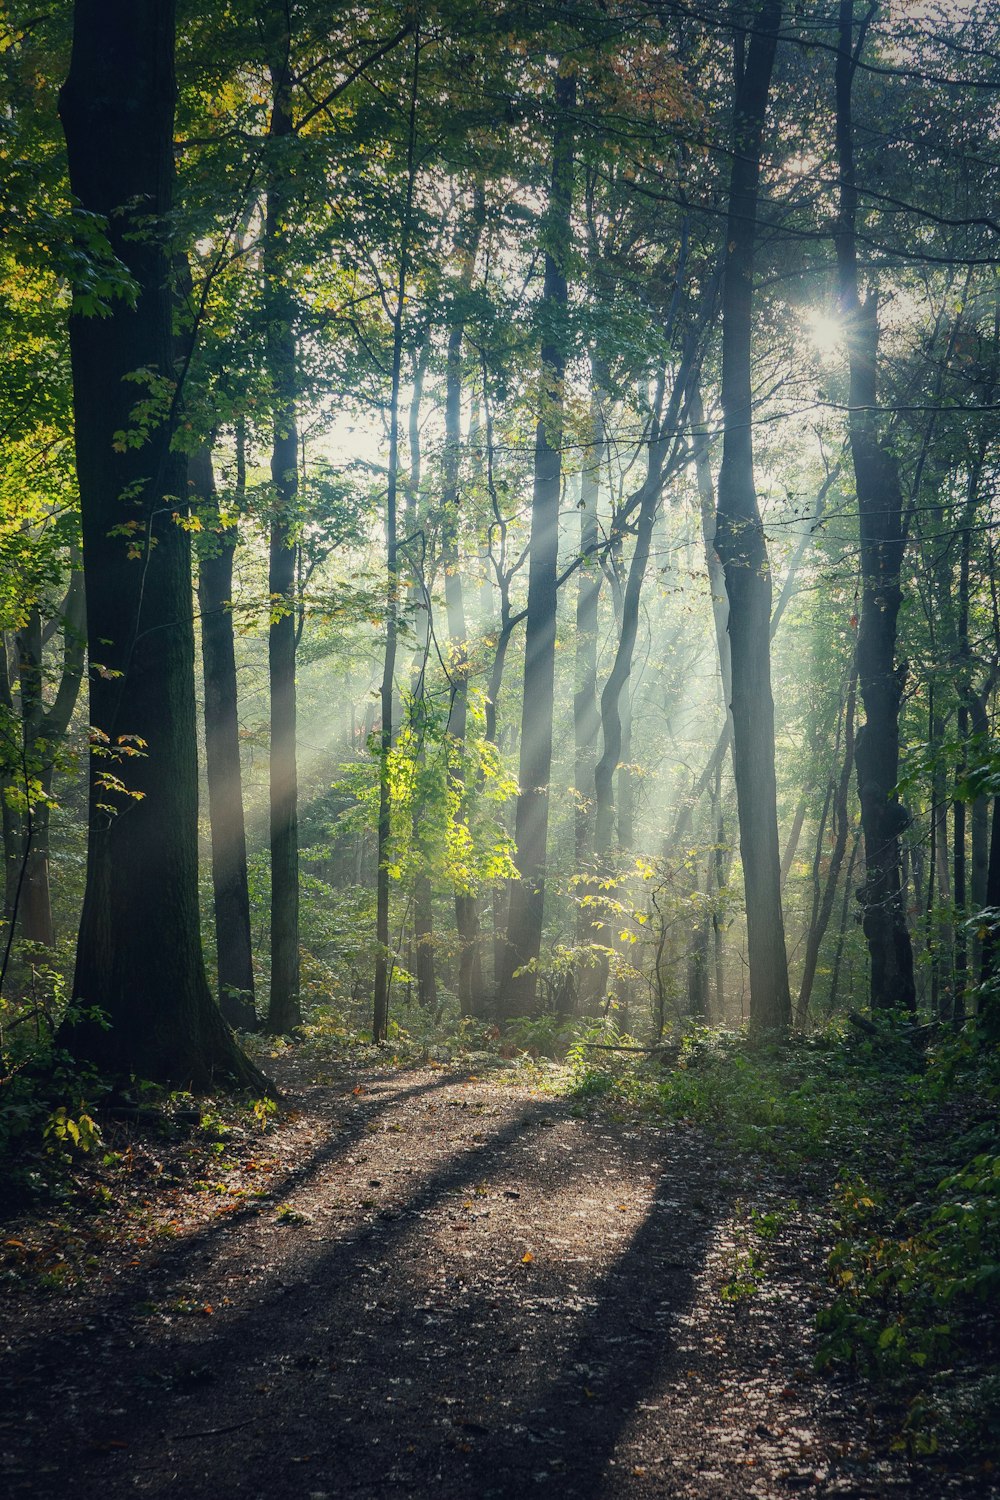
[586, 718]
[470, 969]
[935, 732]
[13, 840]
[883, 542]
[230, 886]
[284, 1011]
[527, 901]
[845, 908]
[723, 862]
[586, 714]
[794, 834]
[980, 821]
[741, 546]
[383, 957]
[42, 731]
[824, 910]
[423, 892]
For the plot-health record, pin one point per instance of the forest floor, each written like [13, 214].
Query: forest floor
[419, 1281]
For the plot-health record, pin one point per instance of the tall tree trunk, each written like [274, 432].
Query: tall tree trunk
[423, 892]
[470, 966]
[980, 828]
[283, 1011]
[883, 542]
[139, 955]
[527, 901]
[935, 926]
[586, 714]
[586, 718]
[383, 954]
[230, 887]
[740, 542]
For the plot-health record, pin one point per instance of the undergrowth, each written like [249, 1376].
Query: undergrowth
[901, 1148]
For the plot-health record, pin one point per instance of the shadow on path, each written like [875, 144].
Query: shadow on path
[414, 1348]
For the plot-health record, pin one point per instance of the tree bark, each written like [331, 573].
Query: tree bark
[383, 955]
[283, 1011]
[424, 965]
[883, 543]
[230, 887]
[824, 908]
[139, 957]
[586, 718]
[527, 902]
[740, 542]
[470, 966]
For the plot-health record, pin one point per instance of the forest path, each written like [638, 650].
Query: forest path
[448, 1286]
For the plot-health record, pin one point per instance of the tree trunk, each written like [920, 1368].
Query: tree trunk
[980, 821]
[470, 967]
[586, 718]
[34, 916]
[739, 540]
[883, 542]
[527, 901]
[139, 957]
[222, 764]
[824, 910]
[424, 965]
[713, 563]
[383, 955]
[41, 732]
[283, 1011]
[13, 838]
[845, 908]
[794, 834]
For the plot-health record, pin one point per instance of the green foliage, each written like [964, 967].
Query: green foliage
[914, 1205]
[61, 1129]
[47, 1100]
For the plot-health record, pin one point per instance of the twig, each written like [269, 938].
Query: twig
[180, 1437]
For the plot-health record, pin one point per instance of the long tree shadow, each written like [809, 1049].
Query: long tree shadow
[384, 1366]
[171, 1256]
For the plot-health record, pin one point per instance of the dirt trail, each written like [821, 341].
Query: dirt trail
[454, 1289]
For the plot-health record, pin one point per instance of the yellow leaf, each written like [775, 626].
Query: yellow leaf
[527, 1258]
